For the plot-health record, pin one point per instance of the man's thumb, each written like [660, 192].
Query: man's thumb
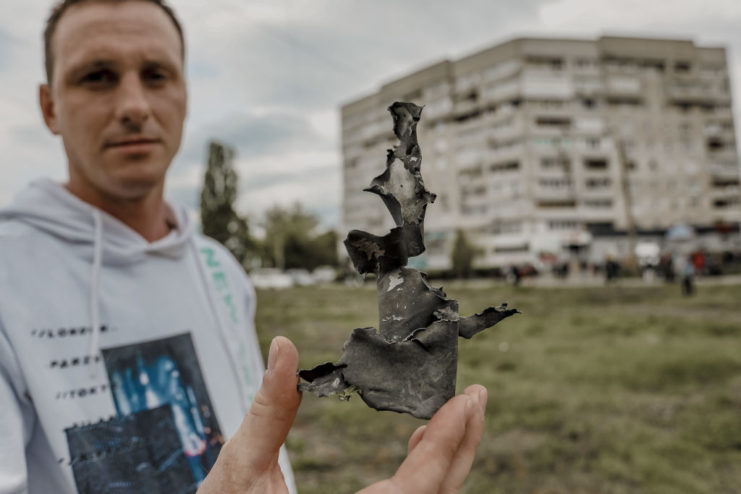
[266, 425]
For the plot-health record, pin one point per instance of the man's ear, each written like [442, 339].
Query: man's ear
[47, 108]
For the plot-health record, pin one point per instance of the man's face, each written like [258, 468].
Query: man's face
[117, 97]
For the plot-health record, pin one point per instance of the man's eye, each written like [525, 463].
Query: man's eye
[98, 77]
[155, 75]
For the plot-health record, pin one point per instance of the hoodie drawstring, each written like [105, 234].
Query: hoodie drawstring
[94, 349]
[94, 291]
[223, 335]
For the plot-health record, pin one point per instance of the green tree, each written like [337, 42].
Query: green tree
[463, 255]
[219, 220]
[291, 240]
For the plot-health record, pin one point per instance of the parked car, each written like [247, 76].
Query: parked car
[301, 277]
[270, 278]
[324, 274]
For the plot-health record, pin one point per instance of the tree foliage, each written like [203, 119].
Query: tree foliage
[463, 255]
[291, 240]
[218, 218]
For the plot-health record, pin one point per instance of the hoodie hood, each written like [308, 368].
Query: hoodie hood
[49, 207]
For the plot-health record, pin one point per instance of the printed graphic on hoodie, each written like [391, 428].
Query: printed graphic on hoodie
[166, 436]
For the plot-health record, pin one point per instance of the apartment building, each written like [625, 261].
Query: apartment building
[536, 147]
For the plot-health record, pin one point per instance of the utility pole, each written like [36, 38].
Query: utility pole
[627, 199]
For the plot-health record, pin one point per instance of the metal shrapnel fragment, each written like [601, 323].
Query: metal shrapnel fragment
[409, 363]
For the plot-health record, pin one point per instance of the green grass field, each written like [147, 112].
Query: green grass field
[593, 390]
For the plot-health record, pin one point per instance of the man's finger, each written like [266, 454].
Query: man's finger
[426, 467]
[415, 438]
[266, 425]
[463, 460]
[248, 462]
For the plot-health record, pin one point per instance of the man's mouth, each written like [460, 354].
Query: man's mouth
[124, 143]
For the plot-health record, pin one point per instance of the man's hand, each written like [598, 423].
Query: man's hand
[440, 453]
[439, 457]
[248, 462]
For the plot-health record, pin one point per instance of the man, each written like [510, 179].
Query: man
[127, 351]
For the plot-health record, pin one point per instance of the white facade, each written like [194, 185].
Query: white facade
[538, 144]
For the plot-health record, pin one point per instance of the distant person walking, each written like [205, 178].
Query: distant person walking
[514, 276]
[612, 269]
[698, 261]
[685, 270]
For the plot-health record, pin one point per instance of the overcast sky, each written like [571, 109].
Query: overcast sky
[268, 77]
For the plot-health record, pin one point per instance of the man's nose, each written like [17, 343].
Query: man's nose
[133, 106]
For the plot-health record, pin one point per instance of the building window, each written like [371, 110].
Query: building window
[562, 225]
[556, 204]
[597, 183]
[473, 210]
[555, 183]
[715, 144]
[504, 167]
[724, 182]
[553, 122]
[598, 203]
[475, 190]
[470, 174]
[506, 226]
[554, 162]
[596, 164]
[586, 63]
[495, 144]
[552, 63]
[729, 202]
[682, 67]
[512, 248]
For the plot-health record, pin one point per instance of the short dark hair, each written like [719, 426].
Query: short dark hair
[61, 7]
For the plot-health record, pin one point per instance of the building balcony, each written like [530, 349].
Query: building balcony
[508, 152]
[548, 195]
[604, 193]
[723, 111]
[594, 215]
[717, 131]
[590, 88]
[556, 208]
[466, 107]
[721, 170]
[725, 155]
[506, 133]
[725, 192]
[618, 86]
[502, 91]
[695, 95]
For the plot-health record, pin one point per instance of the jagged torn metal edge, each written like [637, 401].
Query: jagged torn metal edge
[409, 363]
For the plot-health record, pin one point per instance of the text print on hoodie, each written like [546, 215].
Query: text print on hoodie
[124, 364]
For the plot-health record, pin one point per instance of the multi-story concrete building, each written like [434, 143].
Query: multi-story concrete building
[539, 146]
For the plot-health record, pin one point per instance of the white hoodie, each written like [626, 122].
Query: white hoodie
[124, 364]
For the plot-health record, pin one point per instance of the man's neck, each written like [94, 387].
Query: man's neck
[149, 216]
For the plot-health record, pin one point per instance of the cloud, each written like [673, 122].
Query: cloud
[268, 76]
[317, 190]
[256, 135]
[316, 54]
[688, 16]
[278, 155]
[6, 40]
